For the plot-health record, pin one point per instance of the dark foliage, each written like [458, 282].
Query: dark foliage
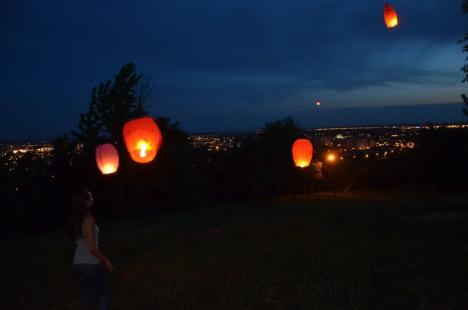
[464, 69]
[438, 163]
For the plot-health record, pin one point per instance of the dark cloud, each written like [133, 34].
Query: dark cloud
[214, 62]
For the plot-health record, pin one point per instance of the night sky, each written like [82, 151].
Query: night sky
[225, 65]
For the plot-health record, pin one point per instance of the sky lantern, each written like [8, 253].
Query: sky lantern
[317, 103]
[142, 139]
[302, 152]
[390, 16]
[107, 158]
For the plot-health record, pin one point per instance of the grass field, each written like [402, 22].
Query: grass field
[360, 251]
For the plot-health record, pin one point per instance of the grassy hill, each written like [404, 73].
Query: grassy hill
[360, 251]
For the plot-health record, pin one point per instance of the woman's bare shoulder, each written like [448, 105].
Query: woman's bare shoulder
[88, 219]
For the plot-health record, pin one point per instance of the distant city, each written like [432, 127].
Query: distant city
[343, 142]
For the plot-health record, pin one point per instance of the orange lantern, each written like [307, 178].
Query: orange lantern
[390, 16]
[107, 158]
[142, 139]
[302, 152]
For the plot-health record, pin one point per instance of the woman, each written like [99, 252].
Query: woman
[88, 260]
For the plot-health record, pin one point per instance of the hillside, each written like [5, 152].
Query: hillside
[363, 251]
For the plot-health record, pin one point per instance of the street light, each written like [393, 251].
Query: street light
[331, 157]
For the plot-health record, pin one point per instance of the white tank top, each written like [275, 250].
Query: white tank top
[82, 253]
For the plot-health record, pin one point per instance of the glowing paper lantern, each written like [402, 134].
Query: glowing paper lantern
[302, 152]
[107, 158]
[142, 139]
[390, 16]
[317, 103]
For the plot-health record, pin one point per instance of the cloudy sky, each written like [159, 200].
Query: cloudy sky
[224, 64]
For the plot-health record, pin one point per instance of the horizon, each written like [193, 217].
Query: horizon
[460, 120]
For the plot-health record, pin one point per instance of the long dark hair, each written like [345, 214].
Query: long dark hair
[78, 209]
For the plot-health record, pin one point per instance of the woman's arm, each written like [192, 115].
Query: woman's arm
[90, 238]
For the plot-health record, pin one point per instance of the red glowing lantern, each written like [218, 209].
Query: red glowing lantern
[142, 139]
[390, 16]
[317, 103]
[107, 158]
[302, 152]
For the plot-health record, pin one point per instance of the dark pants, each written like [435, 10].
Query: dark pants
[94, 284]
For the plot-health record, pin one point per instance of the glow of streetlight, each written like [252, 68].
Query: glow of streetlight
[331, 157]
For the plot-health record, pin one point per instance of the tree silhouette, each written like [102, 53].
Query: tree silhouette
[263, 166]
[464, 69]
[113, 103]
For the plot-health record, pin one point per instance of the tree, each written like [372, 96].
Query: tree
[263, 165]
[464, 69]
[113, 103]
[280, 134]
[61, 155]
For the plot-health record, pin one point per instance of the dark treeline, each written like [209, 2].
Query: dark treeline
[438, 163]
[36, 196]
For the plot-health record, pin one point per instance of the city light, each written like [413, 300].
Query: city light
[354, 143]
[331, 157]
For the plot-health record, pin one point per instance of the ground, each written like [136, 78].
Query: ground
[353, 251]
